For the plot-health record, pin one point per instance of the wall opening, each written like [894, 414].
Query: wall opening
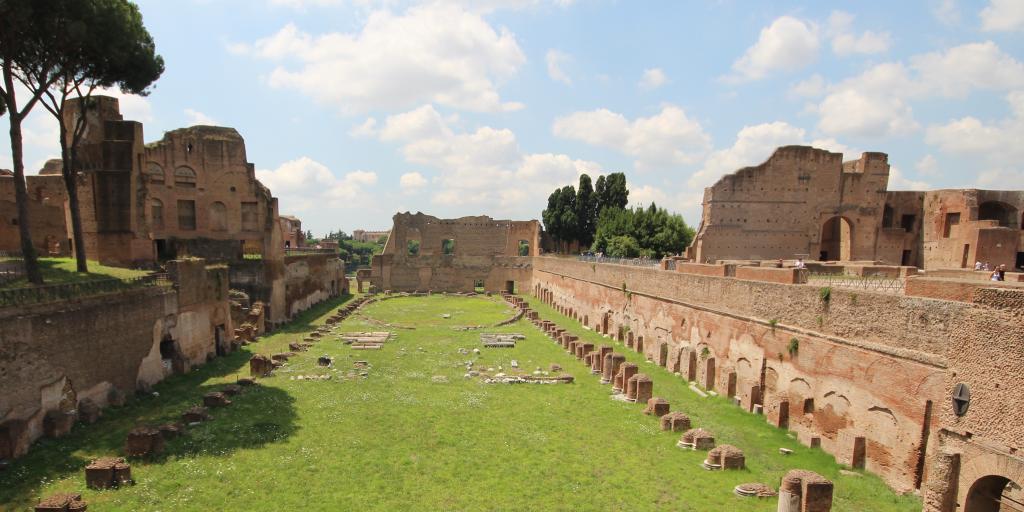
[186, 215]
[448, 246]
[709, 374]
[156, 213]
[808, 406]
[1000, 212]
[730, 389]
[993, 493]
[887, 216]
[413, 248]
[524, 248]
[836, 239]
[478, 285]
[965, 259]
[218, 216]
[663, 355]
[784, 414]
[510, 286]
[907, 222]
[859, 452]
[906, 258]
[952, 219]
[1020, 260]
[167, 349]
[691, 367]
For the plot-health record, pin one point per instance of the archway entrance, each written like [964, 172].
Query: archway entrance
[994, 493]
[836, 240]
[1004, 214]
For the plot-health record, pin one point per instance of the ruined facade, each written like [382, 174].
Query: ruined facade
[55, 357]
[807, 202]
[872, 378]
[427, 253]
[291, 232]
[362, 235]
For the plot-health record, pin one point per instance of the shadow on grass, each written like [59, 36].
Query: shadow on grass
[258, 416]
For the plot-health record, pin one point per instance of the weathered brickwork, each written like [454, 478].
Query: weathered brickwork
[807, 202]
[865, 376]
[427, 253]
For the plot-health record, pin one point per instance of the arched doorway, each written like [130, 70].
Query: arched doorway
[836, 240]
[994, 493]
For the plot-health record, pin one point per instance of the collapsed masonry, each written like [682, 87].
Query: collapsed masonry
[807, 202]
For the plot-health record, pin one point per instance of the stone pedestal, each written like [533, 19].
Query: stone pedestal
[62, 502]
[725, 456]
[626, 372]
[697, 439]
[195, 415]
[143, 442]
[107, 473]
[675, 422]
[805, 491]
[216, 399]
[597, 362]
[260, 366]
[639, 388]
[657, 407]
[612, 362]
[583, 349]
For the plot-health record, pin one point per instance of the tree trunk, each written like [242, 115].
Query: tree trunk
[69, 161]
[28, 251]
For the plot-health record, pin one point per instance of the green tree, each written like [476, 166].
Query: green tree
[98, 43]
[586, 211]
[27, 48]
[656, 231]
[623, 247]
[613, 193]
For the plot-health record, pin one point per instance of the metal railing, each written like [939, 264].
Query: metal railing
[637, 262]
[47, 293]
[895, 285]
[308, 250]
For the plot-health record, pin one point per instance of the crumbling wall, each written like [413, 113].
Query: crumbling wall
[311, 279]
[50, 231]
[486, 252]
[956, 235]
[92, 345]
[856, 373]
[781, 208]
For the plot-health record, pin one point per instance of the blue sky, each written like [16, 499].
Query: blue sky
[353, 110]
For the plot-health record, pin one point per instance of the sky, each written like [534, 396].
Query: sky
[353, 110]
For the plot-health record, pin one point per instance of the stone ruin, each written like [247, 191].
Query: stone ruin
[144, 442]
[597, 359]
[697, 439]
[261, 366]
[194, 415]
[108, 473]
[62, 502]
[639, 388]
[612, 362]
[724, 456]
[216, 399]
[805, 491]
[500, 340]
[626, 372]
[365, 340]
[675, 422]
[754, 490]
[657, 407]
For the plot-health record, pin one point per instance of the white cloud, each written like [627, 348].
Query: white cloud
[852, 112]
[928, 165]
[368, 128]
[992, 146]
[785, 45]
[876, 102]
[946, 11]
[1003, 15]
[307, 185]
[196, 117]
[554, 60]
[665, 139]
[454, 57]
[411, 182]
[753, 145]
[652, 79]
[812, 87]
[484, 168]
[897, 181]
[646, 194]
[846, 42]
[483, 6]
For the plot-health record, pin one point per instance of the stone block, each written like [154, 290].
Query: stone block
[612, 362]
[62, 502]
[657, 407]
[216, 399]
[805, 491]
[626, 372]
[58, 423]
[260, 366]
[675, 422]
[195, 415]
[88, 411]
[171, 430]
[697, 439]
[231, 389]
[725, 456]
[143, 442]
[639, 388]
[108, 473]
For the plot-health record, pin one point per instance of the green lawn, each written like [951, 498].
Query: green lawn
[399, 440]
[63, 270]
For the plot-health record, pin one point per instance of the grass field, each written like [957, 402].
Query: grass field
[400, 440]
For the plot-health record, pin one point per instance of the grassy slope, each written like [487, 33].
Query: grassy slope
[62, 270]
[397, 440]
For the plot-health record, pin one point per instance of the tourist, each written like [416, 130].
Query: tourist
[800, 263]
[779, 263]
[1002, 272]
[977, 265]
[994, 276]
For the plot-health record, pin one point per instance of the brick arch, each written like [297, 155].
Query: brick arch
[980, 475]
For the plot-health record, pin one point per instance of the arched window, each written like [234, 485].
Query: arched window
[218, 216]
[155, 173]
[156, 213]
[184, 177]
